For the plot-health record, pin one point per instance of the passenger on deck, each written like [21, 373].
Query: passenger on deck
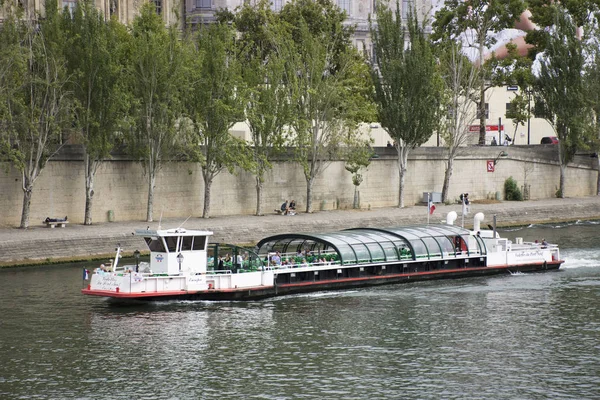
[276, 259]
[544, 243]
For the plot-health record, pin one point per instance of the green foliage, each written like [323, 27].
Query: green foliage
[214, 101]
[560, 89]
[471, 22]
[511, 190]
[329, 85]
[408, 84]
[95, 61]
[35, 102]
[358, 158]
[155, 79]
[268, 109]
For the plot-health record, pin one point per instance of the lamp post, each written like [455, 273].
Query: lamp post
[136, 255]
[500, 155]
[528, 91]
[180, 260]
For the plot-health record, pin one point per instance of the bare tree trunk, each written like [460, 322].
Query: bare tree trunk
[356, 198]
[89, 190]
[598, 179]
[259, 195]
[447, 176]
[563, 175]
[482, 120]
[402, 157]
[150, 208]
[206, 209]
[27, 193]
[309, 188]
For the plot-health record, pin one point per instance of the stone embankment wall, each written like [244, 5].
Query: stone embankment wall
[121, 187]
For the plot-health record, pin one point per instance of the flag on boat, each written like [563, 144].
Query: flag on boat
[431, 206]
[86, 274]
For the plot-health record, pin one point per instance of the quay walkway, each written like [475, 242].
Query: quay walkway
[40, 244]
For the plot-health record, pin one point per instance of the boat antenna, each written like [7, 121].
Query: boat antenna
[184, 222]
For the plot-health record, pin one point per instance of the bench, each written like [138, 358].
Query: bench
[54, 222]
[290, 212]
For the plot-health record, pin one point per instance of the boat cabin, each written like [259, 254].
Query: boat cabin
[176, 251]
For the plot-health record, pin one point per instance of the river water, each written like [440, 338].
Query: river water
[531, 336]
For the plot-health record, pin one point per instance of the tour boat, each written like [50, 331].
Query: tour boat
[184, 265]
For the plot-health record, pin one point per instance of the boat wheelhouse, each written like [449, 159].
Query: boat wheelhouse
[184, 265]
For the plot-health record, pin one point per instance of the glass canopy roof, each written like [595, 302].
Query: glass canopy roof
[370, 245]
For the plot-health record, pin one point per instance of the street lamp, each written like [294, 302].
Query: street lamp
[180, 260]
[136, 255]
[500, 155]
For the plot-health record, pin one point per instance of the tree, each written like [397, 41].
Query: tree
[94, 60]
[214, 103]
[560, 90]
[472, 22]
[268, 109]
[37, 109]
[329, 87]
[408, 85]
[460, 82]
[357, 160]
[592, 83]
[155, 76]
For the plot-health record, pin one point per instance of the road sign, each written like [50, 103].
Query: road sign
[490, 166]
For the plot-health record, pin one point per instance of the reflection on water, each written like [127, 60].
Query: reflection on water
[532, 336]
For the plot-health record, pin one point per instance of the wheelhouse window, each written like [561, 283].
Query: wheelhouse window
[171, 243]
[155, 244]
[199, 242]
[186, 243]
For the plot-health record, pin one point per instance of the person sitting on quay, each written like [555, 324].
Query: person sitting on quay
[284, 208]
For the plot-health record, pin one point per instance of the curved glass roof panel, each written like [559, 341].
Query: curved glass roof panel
[363, 245]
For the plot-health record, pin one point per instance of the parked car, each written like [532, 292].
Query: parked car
[549, 140]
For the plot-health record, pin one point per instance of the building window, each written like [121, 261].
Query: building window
[487, 111]
[362, 47]
[406, 5]
[70, 5]
[158, 4]
[206, 4]
[114, 7]
[345, 6]
[276, 5]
